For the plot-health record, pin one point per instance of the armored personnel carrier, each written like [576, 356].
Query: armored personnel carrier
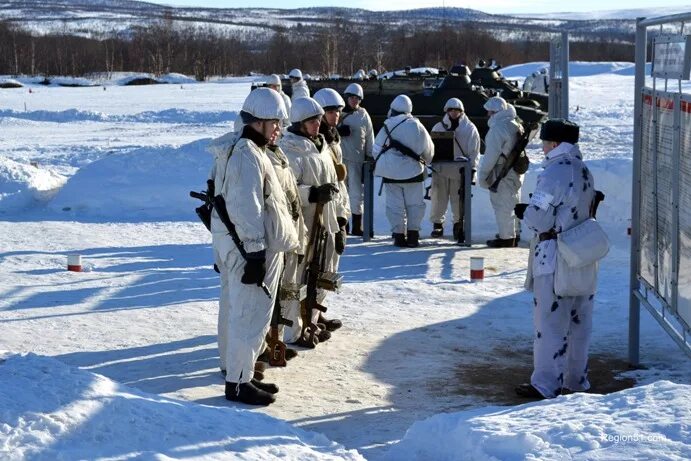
[428, 93]
[508, 89]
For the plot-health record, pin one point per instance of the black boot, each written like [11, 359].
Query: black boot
[248, 393]
[271, 388]
[438, 230]
[357, 225]
[458, 234]
[304, 341]
[323, 334]
[399, 240]
[330, 324]
[528, 391]
[413, 238]
[291, 353]
[502, 243]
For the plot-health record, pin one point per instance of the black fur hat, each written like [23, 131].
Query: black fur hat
[559, 130]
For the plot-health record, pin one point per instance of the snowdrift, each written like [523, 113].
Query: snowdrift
[148, 183]
[23, 186]
[648, 422]
[53, 411]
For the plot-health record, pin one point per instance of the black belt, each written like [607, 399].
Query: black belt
[549, 235]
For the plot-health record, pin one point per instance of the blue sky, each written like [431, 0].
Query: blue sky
[489, 6]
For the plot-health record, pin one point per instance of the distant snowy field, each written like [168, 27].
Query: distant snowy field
[104, 171]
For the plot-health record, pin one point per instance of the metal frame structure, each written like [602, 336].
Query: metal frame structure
[661, 302]
[558, 94]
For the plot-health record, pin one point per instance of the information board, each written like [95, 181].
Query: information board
[684, 299]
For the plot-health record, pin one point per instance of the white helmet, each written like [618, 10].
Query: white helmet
[402, 104]
[273, 79]
[373, 73]
[453, 103]
[263, 104]
[543, 70]
[495, 104]
[354, 89]
[329, 98]
[295, 73]
[360, 75]
[303, 109]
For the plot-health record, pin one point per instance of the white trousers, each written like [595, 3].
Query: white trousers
[248, 316]
[355, 188]
[563, 326]
[503, 201]
[405, 206]
[223, 313]
[444, 190]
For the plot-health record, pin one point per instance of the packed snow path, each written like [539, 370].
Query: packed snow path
[418, 338]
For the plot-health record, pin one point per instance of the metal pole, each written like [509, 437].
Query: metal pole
[565, 75]
[634, 286]
[367, 216]
[552, 110]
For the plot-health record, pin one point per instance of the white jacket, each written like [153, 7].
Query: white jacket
[358, 144]
[541, 84]
[289, 105]
[285, 176]
[300, 90]
[563, 194]
[500, 139]
[342, 200]
[392, 164]
[466, 139]
[254, 199]
[311, 167]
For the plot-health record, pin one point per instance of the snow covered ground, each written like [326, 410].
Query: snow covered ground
[124, 362]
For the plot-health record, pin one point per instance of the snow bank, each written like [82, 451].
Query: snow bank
[648, 422]
[148, 183]
[53, 411]
[23, 185]
[161, 116]
[576, 68]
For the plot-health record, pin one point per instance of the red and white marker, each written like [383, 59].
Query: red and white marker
[74, 263]
[477, 268]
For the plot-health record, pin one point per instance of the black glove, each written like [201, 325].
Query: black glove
[519, 209]
[255, 269]
[473, 176]
[322, 194]
[340, 242]
[343, 130]
[216, 269]
[342, 222]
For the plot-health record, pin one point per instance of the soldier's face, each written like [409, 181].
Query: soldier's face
[270, 129]
[454, 113]
[311, 127]
[332, 117]
[353, 102]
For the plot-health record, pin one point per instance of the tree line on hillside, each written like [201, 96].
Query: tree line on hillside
[342, 48]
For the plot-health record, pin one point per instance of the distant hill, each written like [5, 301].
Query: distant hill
[97, 17]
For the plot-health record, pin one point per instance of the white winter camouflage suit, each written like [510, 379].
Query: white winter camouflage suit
[446, 178]
[356, 147]
[247, 181]
[500, 139]
[300, 90]
[291, 280]
[313, 167]
[402, 175]
[562, 199]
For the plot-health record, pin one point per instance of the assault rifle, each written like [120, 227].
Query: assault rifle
[317, 277]
[219, 204]
[517, 151]
[277, 348]
[206, 196]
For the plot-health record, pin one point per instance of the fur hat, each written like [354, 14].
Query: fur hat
[559, 130]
